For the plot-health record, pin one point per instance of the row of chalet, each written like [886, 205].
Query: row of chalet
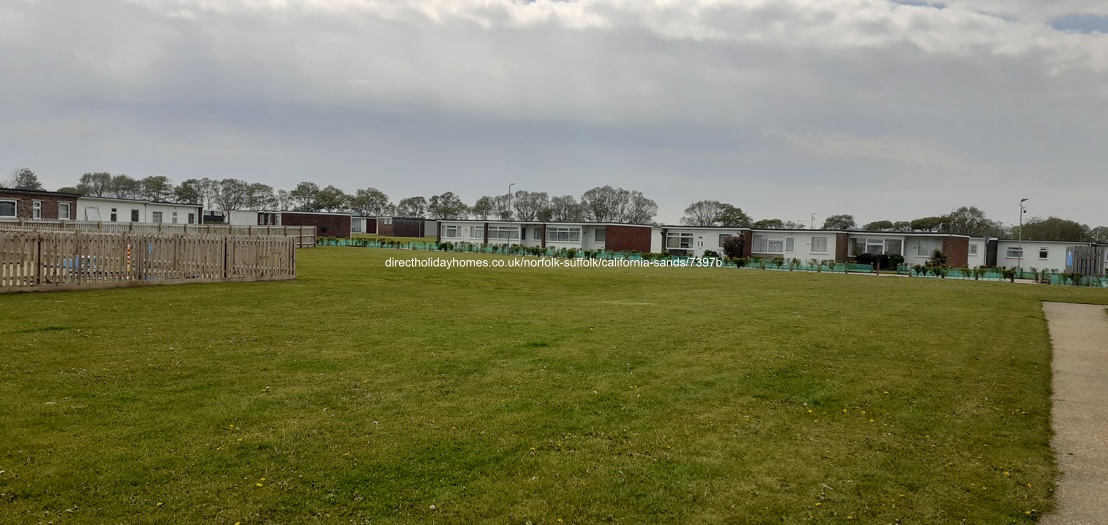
[22, 204]
[806, 245]
[822, 245]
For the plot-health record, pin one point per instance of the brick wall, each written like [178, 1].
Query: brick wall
[957, 251]
[326, 225]
[842, 246]
[24, 203]
[626, 238]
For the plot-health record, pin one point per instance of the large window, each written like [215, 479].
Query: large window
[7, 209]
[768, 244]
[1014, 252]
[36, 209]
[679, 241]
[925, 247]
[563, 234]
[157, 216]
[789, 243]
[64, 211]
[819, 244]
[452, 231]
[503, 233]
[477, 232]
[876, 246]
[600, 235]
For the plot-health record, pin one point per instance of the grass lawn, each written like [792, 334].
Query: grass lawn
[360, 393]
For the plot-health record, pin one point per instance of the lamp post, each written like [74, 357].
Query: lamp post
[1019, 239]
[508, 245]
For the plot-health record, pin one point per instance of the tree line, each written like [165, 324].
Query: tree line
[967, 220]
[600, 204]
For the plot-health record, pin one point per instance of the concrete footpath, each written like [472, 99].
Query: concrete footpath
[1079, 336]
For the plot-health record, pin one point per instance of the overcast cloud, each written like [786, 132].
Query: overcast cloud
[785, 108]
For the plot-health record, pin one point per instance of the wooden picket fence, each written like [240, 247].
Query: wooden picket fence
[304, 235]
[48, 261]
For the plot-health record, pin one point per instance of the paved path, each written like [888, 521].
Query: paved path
[1079, 335]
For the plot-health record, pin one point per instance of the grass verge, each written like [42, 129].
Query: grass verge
[365, 393]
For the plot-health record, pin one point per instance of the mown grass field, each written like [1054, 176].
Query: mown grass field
[360, 393]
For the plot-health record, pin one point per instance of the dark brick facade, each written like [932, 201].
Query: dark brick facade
[625, 238]
[25, 200]
[842, 246]
[957, 251]
[401, 227]
[326, 224]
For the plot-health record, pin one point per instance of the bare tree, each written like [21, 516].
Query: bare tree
[702, 213]
[529, 205]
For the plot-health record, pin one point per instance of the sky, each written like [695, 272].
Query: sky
[788, 109]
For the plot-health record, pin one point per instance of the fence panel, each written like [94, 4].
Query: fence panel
[305, 236]
[51, 260]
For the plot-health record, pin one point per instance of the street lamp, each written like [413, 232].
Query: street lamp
[509, 243]
[1019, 240]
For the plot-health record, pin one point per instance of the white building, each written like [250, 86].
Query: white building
[579, 235]
[129, 210]
[1041, 255]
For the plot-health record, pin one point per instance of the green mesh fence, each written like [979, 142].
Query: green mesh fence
[984, 274]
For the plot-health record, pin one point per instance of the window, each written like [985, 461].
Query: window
[819, 244]
[925, 247]
[135, 218]
[92, 213]
[723, 238]
[876, 246]
[63, 210]
[973, 249]
[477, 232]
[36, 209]
[563, 234]
[192, 218]
[113, 215]
[452, 231]
[1043, 253]
[503, 232]
[7, 209]
[174, 218]
[538, 234]
[679, 241]
[157, 216]
[600, 235]
[1014, 252]
[768, 244]
[789, 245]
[522, 233]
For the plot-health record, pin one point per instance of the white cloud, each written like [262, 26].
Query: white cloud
[566, 94]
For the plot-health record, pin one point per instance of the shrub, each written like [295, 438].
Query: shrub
[733, 246]
[865, 258]
[711, 253]
[1009, 273]
[938, 258]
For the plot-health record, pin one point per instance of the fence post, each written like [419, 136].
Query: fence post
[38, 259]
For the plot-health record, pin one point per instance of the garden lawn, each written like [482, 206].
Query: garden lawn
[361, 393]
